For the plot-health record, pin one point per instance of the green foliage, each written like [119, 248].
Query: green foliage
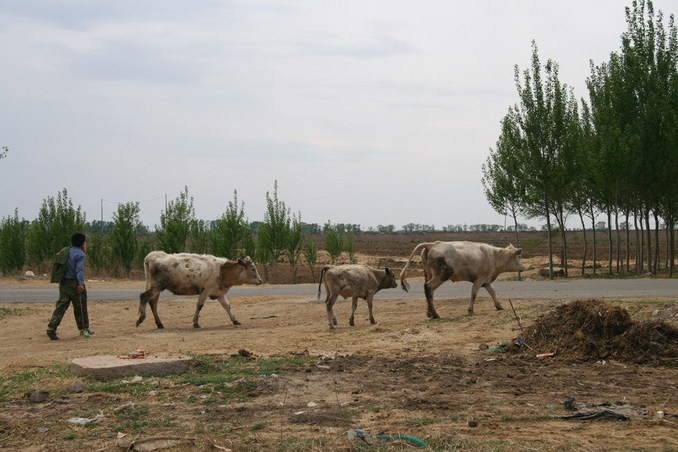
[311, 255]
[4, 152]
[146, 244]
[12, 243]
[199, 240]
[124, 245]
[295, 243]
[99, 252]
[231, 236]
[176, 224]
[57, 221]
[273, 234]
[333, 242]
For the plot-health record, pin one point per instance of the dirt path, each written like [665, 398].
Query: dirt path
[406, 375]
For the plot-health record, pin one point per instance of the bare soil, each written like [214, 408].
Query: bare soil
[434, 380]
[457, 383]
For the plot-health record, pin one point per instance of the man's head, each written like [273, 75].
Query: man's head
[77, 239]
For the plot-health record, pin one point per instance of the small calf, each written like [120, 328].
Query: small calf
[355, 281]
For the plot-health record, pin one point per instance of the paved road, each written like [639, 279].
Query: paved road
[570, 289]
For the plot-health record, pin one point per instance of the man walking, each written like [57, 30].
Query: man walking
[72, 289]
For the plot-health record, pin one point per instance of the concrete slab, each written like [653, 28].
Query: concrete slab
[113, 367]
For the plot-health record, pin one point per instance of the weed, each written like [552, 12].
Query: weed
[9, 311]
[421, 421]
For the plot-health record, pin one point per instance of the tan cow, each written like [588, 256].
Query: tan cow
[355, 281]
[193, 274]
[478, 263]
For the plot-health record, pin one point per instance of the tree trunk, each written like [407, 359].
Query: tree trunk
[583, 228]
[609, 241]
[550, 244]
[628, 240]
[593, 231]
[618, 244]
[515, 226]
[656, 241]
[648, 231]
[640, 251]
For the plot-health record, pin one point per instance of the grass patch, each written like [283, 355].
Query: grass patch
[421, 421]
[16, 385]
[6, 312]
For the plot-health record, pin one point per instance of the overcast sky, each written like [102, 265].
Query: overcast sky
[367, 112]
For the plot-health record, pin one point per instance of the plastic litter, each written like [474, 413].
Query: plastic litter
[363, 435]
[139, 354]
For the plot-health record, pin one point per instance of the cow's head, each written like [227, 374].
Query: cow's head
[249, 273]
[389, 280]
[513, 263]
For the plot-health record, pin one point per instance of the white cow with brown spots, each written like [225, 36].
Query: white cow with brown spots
[193, 274]
[355, 281]
[478, 263]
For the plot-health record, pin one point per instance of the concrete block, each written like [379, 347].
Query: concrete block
[113, 367]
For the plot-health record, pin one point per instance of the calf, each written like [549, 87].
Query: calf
[355, 281]
[477, 263]
[193, 274]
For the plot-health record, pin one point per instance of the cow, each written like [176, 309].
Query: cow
[355, 281]
[478, 263]
[193, 274]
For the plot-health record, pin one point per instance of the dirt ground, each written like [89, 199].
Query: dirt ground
[438, 381]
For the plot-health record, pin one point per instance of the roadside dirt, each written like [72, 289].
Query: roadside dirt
[435, 380]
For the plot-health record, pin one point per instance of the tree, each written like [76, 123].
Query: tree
[12, 243]
[541, 128]
[231, 231]
[311, 255]
[295, 243]
[502, 181]
[273, 233]
[4, 152]
[333, 242]
[124, 245]
[176, 223]
[57, 221]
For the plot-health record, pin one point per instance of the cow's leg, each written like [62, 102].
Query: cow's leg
[150, 296]
[437, 272]
[198, 307]
[224, 302]
[329, 303]
[369, 309]
[429, 287]
[493, 294]
[474, 293]
[354, 306]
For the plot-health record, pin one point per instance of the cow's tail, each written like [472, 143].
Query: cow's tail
[322, 275]
[403, 273]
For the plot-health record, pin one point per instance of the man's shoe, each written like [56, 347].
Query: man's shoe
[85, 333]
[52, 335]
[91, 332]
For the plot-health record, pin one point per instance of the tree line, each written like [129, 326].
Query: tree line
[119, 246]
[615, 154]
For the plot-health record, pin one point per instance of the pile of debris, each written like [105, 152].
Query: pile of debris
[594, 330]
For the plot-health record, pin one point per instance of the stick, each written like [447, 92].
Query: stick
[516, 315]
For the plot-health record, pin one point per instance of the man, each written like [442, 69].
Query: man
[72, 289]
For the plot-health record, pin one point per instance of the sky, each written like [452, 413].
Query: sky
[365, 112]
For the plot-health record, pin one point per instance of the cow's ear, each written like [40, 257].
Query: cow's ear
[242, 262]
[519, 251]
[388, 271]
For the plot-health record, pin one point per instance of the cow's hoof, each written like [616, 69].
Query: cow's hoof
[195, 325]
[331, 326]
[160, 326]
[351, 322]
[235, 322]
[499, 308]
[471, 314]
[373, 322]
